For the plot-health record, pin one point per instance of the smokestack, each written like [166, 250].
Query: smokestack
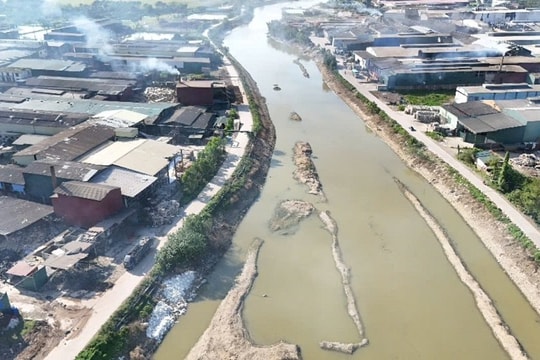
[53, 177]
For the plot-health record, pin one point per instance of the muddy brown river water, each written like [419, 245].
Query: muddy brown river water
[411, 301]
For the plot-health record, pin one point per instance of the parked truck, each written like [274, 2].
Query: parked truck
[139, 251]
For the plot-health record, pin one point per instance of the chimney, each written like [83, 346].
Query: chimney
[53, 177]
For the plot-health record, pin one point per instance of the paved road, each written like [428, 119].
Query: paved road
[406, 121]
[104, 306]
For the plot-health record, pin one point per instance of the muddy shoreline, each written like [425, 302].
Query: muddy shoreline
[512, 257]
[226, 337]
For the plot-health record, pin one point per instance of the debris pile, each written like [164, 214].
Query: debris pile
[176, 293]
[164, 213]
[427, 117]
[412, 109]
[305, 168]
[159, 94]
[294, 116]
[528, 160]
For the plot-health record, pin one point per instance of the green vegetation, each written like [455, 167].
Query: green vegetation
[435, 135]
[203, 169]
[428, 98]
[329, 59]
[468, 155]
[186, 245]
[29, 326]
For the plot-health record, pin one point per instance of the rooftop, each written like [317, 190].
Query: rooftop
[22, 269]
[49, 65]
[84, 190]
[16, 214]
[90, 107]
[29, 139]
[119, 118]
[63, 169]
[130, 182]
[128, 155]
[200, 84]
[11, 174]
[105, 86]
[70, 143]
[40, 118]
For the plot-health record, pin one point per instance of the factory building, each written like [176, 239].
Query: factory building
[85, 204]
[13, 123]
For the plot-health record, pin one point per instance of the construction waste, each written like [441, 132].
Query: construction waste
[294, 116]
[528, 160]
[288, 215]
[427, 117]
[159, 94]
[164, 213]
[175, 295]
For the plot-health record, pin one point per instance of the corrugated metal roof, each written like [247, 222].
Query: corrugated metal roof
[155, 155]
[470, 109]
[489, 123]
[49, 65]
[91, 107]
[84, 190]
[64, 262]
[140, 155]
[71, 143]
[40, 118]
[119, 118]
[186, 116]
[68, 170]
[29, 139]
[130, 182]
[107, 155]
[21, 268]
[11, 174]
[16, 214]
[103, 86]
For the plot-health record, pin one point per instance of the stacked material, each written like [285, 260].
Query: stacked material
[159, 94]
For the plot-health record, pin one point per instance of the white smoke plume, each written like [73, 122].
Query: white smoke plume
[51, 8]
[96, 36]
[153, 64]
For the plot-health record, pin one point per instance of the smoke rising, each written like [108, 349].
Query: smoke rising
[153, 64]
[96, 36]
[99, 38]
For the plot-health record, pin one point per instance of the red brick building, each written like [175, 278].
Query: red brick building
[85, 204]
[198, 92]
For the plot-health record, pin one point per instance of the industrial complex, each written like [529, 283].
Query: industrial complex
[97, 124]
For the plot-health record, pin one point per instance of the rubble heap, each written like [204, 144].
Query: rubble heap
[159, 94]
[529, 160]
[164, 213]
[306, 172]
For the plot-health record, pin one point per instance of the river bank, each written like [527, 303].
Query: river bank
[516, 262]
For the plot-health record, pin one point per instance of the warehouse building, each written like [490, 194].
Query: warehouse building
[85, 204]
[51, 67]
[496, 92]
[67, 145]
[43, 176]
[159, 158]
[13, 123]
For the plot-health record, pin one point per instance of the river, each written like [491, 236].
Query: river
[412, 303]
